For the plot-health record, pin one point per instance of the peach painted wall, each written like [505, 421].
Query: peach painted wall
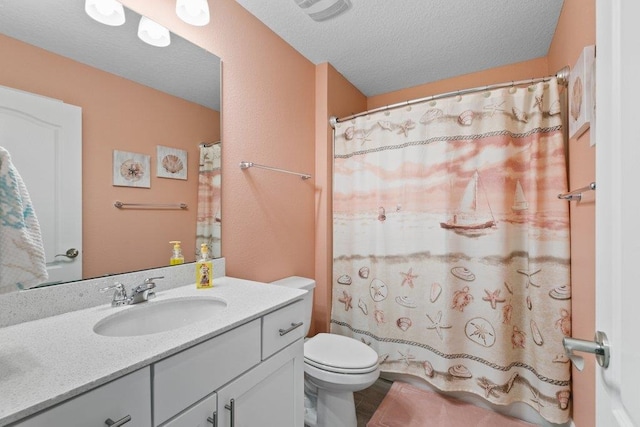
[519, 71]
[123, 115]
[268, 111]
[335, 96]
[576, 29]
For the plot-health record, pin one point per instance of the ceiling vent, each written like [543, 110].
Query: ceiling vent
[322, 10]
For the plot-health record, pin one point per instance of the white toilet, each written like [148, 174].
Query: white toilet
[335, 366]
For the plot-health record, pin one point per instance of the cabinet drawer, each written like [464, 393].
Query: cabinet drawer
[182, 379]
[126, 396]
[282, 327]
[197, 415]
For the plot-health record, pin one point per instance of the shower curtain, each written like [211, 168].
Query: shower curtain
[451, 248]
[209, 220]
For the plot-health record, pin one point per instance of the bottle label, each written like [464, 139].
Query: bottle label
[204, 274]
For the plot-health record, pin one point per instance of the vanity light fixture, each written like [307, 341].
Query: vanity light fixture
[153, 33]
[108, 12]
[194, 12]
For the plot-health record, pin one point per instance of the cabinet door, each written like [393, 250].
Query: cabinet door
[121, 399]
[269, 395]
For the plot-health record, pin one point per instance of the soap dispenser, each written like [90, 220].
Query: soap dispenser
[204, 269]
[176, 257]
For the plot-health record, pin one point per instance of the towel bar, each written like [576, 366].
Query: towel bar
[247, 165]
[121, 205]
[577, 194]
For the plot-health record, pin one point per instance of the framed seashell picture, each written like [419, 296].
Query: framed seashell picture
[172, 163]
[131, 169]
[581, 93]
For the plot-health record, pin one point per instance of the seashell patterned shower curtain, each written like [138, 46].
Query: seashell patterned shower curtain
[209, 219]
[451, 248]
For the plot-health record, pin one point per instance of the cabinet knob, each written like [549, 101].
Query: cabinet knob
[122, 421]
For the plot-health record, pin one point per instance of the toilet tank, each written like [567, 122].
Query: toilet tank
[297, 282]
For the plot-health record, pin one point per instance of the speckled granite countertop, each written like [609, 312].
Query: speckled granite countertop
[46, 361]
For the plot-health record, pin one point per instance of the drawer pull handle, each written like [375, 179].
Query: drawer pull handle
[118, 423]
[293, 326]
[231, 407]
[213, 419]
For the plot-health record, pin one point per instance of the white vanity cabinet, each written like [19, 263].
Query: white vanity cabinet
[125, 401]
[249, 376]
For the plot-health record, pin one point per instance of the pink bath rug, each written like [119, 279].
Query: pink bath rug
[408, 406]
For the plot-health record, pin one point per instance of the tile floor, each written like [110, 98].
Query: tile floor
[368, 400]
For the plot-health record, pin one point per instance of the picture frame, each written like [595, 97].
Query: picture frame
[131, 169]
[581, 93]
[171, 163]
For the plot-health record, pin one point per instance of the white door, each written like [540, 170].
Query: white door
[44, 138]
[618, 209]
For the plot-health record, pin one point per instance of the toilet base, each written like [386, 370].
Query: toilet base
[336, 409]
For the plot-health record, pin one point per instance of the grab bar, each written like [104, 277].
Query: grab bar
[577, 194]
[247, 165]
[121, 205]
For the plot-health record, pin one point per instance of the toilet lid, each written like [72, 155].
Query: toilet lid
[338, 353]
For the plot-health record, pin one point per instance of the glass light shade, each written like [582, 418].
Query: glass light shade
[194, 12]
[153, 33]
[108, 12]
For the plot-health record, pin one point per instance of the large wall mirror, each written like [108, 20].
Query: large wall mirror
[134, 98]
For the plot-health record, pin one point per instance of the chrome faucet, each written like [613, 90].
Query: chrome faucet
[145, 291]
[140, 293]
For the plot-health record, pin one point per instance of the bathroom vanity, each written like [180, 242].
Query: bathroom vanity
[242, 365]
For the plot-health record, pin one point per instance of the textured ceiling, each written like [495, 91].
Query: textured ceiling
[61, 26]
[386, 45]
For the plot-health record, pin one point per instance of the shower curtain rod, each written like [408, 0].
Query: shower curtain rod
[208, 144]
[562, 76]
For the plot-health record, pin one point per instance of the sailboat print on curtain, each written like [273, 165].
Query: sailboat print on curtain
[470, 215]
[520, 203]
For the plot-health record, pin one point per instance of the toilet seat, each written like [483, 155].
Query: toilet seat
[340, 354]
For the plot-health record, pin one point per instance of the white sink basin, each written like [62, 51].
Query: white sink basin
[158, 316]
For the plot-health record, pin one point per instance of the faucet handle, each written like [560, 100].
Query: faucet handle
[149, 281]
[119, 287]
[119, 296]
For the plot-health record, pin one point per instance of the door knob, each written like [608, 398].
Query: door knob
[599, 346]
[71, 253]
